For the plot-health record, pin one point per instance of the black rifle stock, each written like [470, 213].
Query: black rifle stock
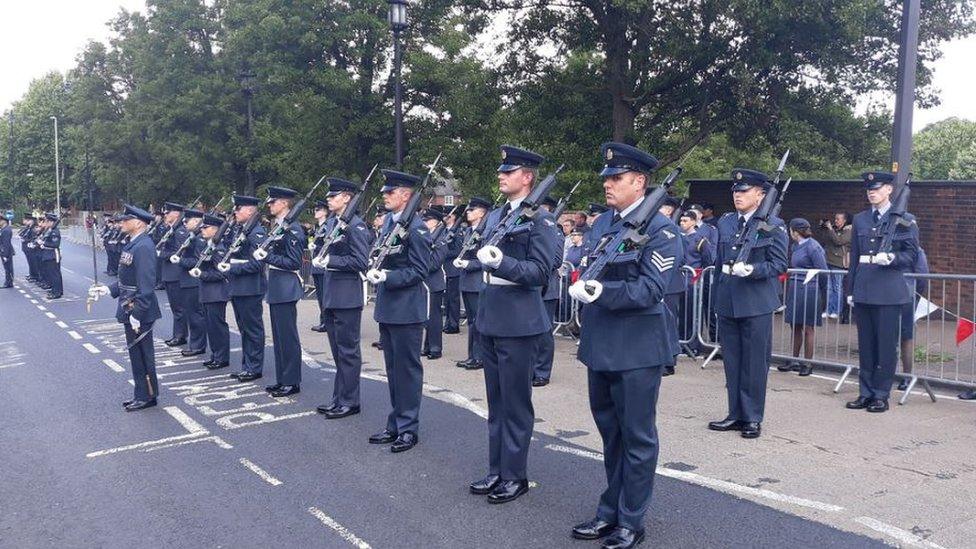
[525, 211]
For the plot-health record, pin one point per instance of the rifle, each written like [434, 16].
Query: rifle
[91, 232]
[235, 246]
[564, 201]
[212, 243]
[393, 239]
[634, 234]
[213, 211]
[175, 258]
[169, 233]
[435, 235]
[526, 211]
[896, 216]
[771, 202]
[282, 225]
[343, 221]
[473, 241]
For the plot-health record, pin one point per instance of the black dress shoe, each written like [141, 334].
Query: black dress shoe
[175, 342]
[623, 538]
[859, 403]
[727, 424]
[539, 382]
[508, 490]
[325, 408]
[424, 353]
[451, 330]
[192, 352]
[434, 356]
[806, 369]
[751, 429]
[54, 296]
[474, 365]
[877, 406]
[217, 366]
[902, 384]
[668, 371]
[127, 402]
[244, 377]
[274, 387]
[376, 344]
[404, 442]
[484, 486]
[383, 437]
[968, 395]
[785, 367]
[464, 363]
[593, 529]
[320, 328]
[140, 405]
[340, 412]
[286, 390]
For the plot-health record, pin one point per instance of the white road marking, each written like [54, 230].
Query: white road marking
[918, 392]
[74, 334]
[186, 421]
[11, 365]
[91, 348]
[227, 422]
[265, 476]
[181, 372]
[67, 270]
[221, 443]
[720, 485]
[903, 536]
[139, 445]
[340, 529]
[62, 324]
[113, 365]
[34, 301]
[50, 315]
[41, 308]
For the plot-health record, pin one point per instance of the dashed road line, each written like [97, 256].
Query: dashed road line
[115, 366]
[91, 348]
[265, 476]
[340, 529]
[74, 334]
[49, 314]
[41, 308]
[62, 324]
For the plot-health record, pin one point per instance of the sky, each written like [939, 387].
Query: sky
[38, 36]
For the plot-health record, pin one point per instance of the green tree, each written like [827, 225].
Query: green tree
[939, 148]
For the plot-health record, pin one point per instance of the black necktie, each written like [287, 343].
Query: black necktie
[506, 208]
[877, 216]
[616, 218]
[742, 222]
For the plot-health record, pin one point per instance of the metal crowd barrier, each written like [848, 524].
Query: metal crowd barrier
[566, 321]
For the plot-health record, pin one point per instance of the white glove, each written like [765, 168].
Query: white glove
[586, 292]
[742, 269]
[883, 259]
[97, 291]
[850, 301]
[311, 246]
[461, 263]
[321, 263]
[174, 259]
[376, 276]
[135, 323]
[490, 256]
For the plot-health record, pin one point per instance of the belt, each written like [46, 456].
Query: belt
[726, 269]
[498, 281]
[128, 288]
[238, 261]
[865, 259]
[273, 268]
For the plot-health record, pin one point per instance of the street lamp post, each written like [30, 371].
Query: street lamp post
[398, 23]
[247, 84]
[57, 167]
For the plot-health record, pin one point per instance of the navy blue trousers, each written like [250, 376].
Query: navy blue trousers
[878, 335]
[624, 406]
[287, 346]
[142, 356]
[475, 344]
[250, 322]
[452, 303]
[174, 294]
[218, 333]
[746, 348]
[547, 350]
[8, 270]
[196, 319]
[511, 417]
[404, 373]
[319, 280]
[434, 337]
[343, 329]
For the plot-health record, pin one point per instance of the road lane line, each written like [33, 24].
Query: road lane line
[62, 324]
[340, 529]
[720, 485]
[265, 476]
[49, 314]
[41, 308]
[115, 366]
[74, 334]
[221, 443]
[146, 444]
[186, 421]
[91, 348]
[904, 536]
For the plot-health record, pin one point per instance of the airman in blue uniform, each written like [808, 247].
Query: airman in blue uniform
[402, 308]
[542, 371]
[50, 255]
[472, 282]
[284, 261]
[745, 295]
[137, 307]
[321, 212]
[248, 284]
[513, 322]
[452, 292]
[343, 300]
[171, 272]
[214, 291]
[676, 293]
[28, 232]
[436, 284]
[193, 309]
[879, 291]
[625, 343]
[698, 254]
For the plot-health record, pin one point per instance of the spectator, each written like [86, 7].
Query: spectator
[579, 222]
[835, 237]
[708, 214]
[575, 252]
[803, 296]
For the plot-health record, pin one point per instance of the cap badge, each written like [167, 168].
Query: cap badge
[609, 154]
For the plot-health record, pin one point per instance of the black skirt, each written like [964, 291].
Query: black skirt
[803, 303]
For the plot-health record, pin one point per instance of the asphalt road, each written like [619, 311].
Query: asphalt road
[221, 464]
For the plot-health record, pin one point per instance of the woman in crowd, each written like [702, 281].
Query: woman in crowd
[802, 293]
